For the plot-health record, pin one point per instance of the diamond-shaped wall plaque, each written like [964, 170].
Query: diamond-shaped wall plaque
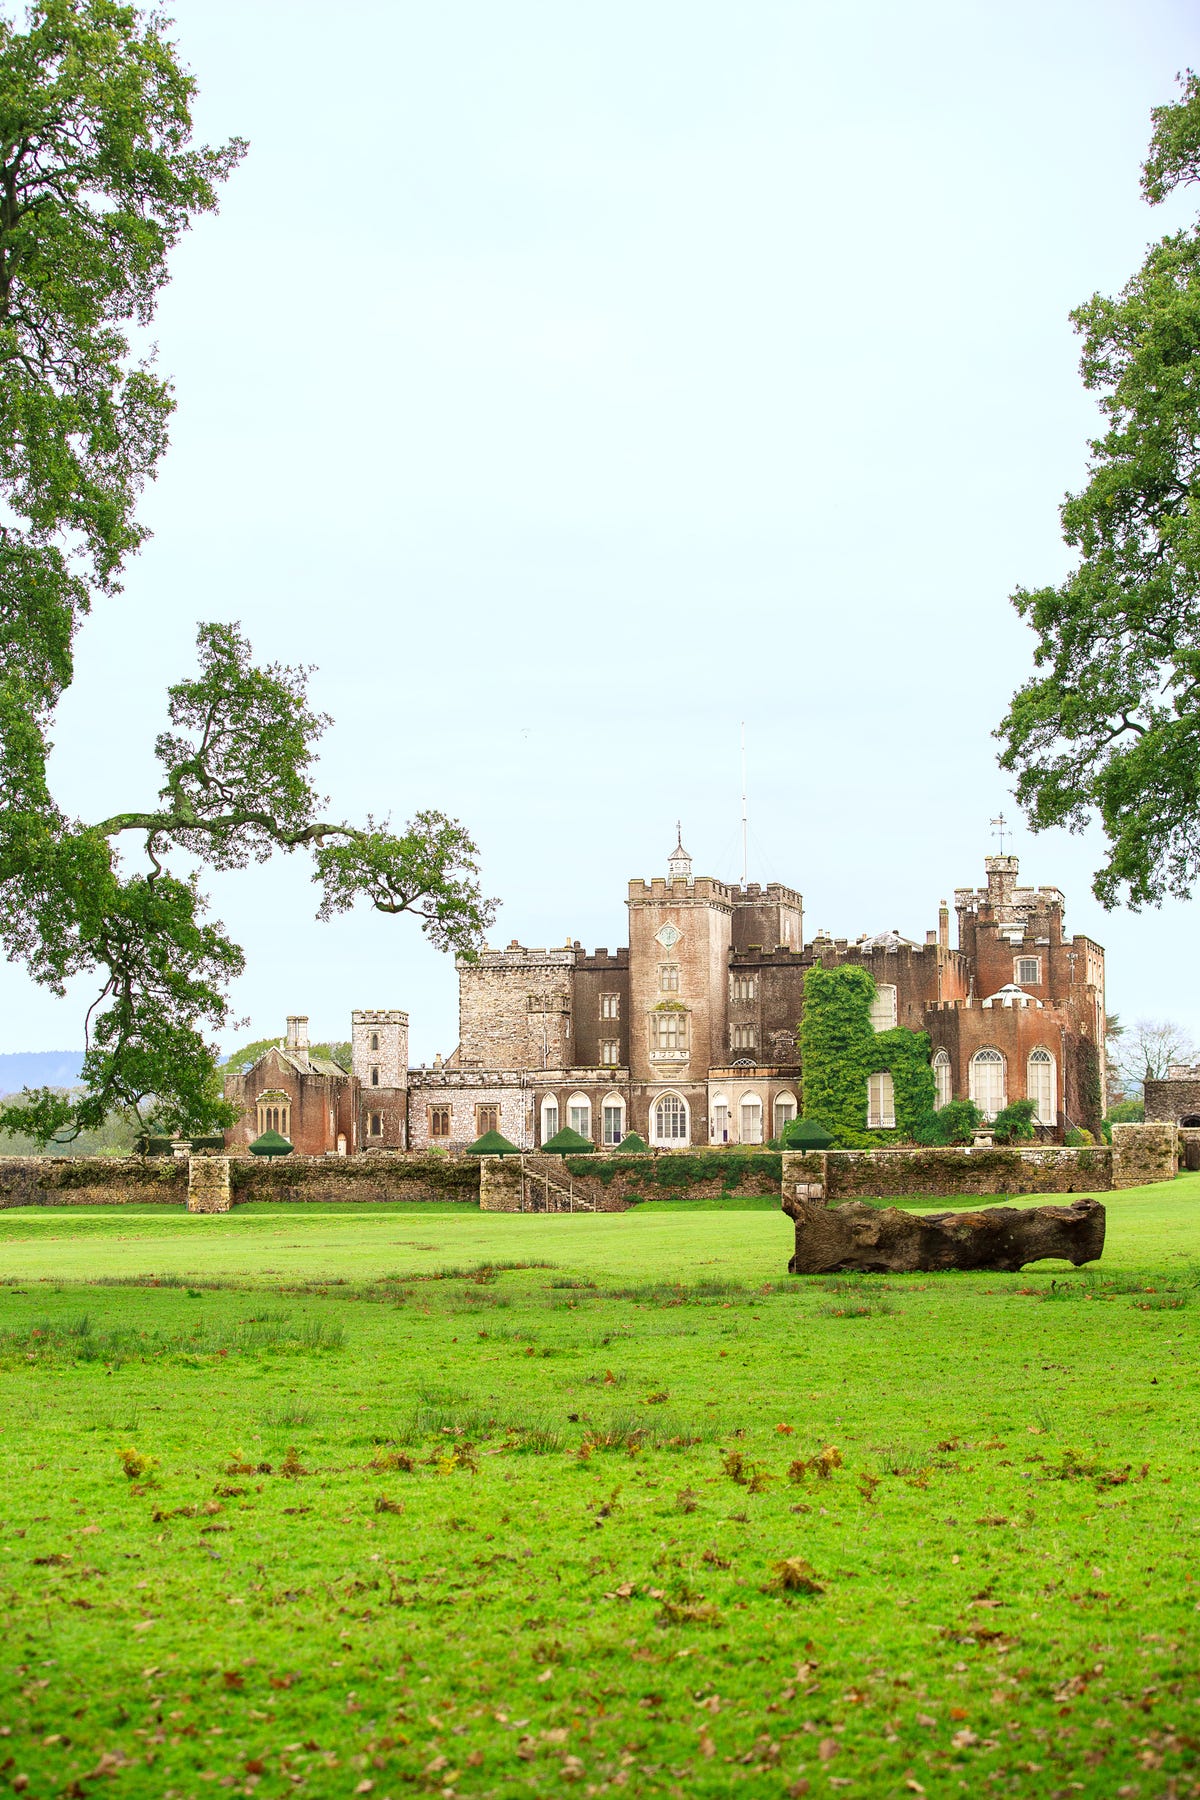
[668, 936]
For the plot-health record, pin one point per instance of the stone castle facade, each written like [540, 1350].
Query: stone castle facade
[687, 1035]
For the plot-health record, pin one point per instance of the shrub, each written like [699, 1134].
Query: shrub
[633, 1145]
[492, 1143]
[956, 1123]
[805, 1134]
[568, 1143]
[1014, 1123]
[1078, 1138]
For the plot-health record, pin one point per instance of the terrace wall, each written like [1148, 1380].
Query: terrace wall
[92, 1181]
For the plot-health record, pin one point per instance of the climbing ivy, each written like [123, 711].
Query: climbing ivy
[839, 1051]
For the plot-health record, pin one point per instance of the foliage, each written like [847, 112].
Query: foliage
[98, 179]
[1127, 1112]
[1110, 723]
[955, 1123]
[1014, 1123]
[839, 1051]
[349, 1607]
[239, 1061]
[116, 1136]
[805, 1134]
[1077, 1138]
[271, 1143]
[632, 1145]
[681, 1169]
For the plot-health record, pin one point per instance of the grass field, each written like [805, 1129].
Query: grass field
[419, 1500]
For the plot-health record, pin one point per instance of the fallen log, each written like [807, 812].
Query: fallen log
[885, 1240]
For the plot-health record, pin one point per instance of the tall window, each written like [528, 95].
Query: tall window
[374, 1077]
[487, 1118]
[549, 1117]
[987, 1082]
[743, 1037]
[669, 1120]
[612, 1119]
[610, 1006]
[883, 1008]
[668, 978]
[1028, 970]
[376, 1124]
[751, 1119]
[374, 1040]
[668, 1031]
[1040, 1086]
[275, 1113]
[610, 1052]
[741, 987]
[719, 1121]
[785, 1112]
[943, 1083]
[579, 1114]
[439, 1123]
[881, 1101]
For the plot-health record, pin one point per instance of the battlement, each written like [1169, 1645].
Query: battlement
[361, 1016]
[602, 959]
[519, 956]
[705, 889]
[754, 895]
[753, 956]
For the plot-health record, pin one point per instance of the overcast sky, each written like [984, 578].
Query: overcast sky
[569, 383]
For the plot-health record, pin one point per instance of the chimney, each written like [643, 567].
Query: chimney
[297, 1034]
[931, 937]
[943, 936]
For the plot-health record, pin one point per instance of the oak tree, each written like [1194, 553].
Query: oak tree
[1109, 725]
[98, 179]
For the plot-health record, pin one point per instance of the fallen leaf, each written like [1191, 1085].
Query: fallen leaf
[827, 1749]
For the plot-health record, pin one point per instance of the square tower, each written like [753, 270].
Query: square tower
[379, 1060]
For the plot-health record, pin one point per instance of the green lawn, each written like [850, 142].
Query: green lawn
[343, 1505]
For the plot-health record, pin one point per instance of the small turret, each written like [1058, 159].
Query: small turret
[679, 864]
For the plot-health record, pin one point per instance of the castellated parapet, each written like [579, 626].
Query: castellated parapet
[379, 1048]
[514, 1009]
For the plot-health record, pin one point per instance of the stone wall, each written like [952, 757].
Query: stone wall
[381, 1175]
[464, 1092]
[1172, 1099]
[92, 1181]
[894, 1174]
[208, 1184]
[1143, 1153]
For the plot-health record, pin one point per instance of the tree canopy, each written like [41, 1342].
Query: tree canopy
[98, 179]
[1110, 723]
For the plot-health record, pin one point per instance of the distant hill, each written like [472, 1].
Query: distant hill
[39, 1068]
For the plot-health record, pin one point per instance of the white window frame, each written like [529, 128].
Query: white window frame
[579, 1115]
[659, 1033]
[610, 1053]
[612, 1104]
[1043, 1061]
[743, 1037]
[781, 1118]
[750, 1119]
[943, 1079]
[610, 1006]
[883, 1006]
[881, 1101]
[549, 1117]
[982, 1090]
[741, 987]
[681, 1116]
[668, 978]
[719, 1118]
[1034, 980]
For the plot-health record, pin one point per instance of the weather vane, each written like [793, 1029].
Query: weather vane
[999, 827]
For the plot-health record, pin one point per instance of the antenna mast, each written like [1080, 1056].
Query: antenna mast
[745, 815]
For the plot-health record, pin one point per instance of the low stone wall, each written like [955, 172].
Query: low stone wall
[1144, 1153]
[379, 1176]
[92, 1181]
[894, 1174]
[540, 1183]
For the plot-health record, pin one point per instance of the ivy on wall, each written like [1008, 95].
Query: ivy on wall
[840, 1051]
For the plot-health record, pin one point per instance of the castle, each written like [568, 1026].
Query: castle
[688, 1034]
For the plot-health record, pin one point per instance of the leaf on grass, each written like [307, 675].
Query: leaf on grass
[793, 1575]
[827, 1749]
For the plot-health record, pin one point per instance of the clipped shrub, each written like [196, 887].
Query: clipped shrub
[805, 1134]
[492, 1143]
[633, 1145]
[568, 1143]
[270, 1144]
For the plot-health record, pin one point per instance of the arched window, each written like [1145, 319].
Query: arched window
[579, 1114]
[881, 1101]
[549, 1117]
[943, 1081]
[785, 1112]
[375, 1077]
[719, 1118]
[612, 1119]
[374, 1040]
[376, 1124]
[1040, 1086]
[669, 1120]
[987, 1082]
[750, 1119]
[883, 1007]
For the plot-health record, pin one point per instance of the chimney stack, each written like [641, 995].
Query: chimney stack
[297, 1034]
[944, 925]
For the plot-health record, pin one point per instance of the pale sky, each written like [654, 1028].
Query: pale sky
[569, 383]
